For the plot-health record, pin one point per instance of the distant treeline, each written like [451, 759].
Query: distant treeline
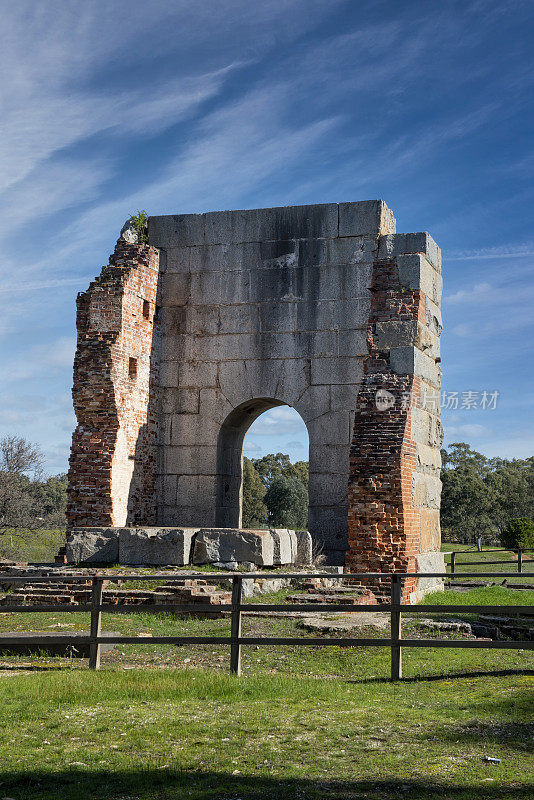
[481, 496]
[28, 499]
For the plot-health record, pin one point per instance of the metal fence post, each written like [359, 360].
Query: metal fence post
[520, 561]
[235, 633]
[453, 560]
[96, 622]
[396, 652]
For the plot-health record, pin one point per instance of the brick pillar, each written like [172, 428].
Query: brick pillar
[394, 486]
[112, 464]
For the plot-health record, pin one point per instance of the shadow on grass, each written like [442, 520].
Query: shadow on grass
[164, 784]
[448, 676]
[515, 735]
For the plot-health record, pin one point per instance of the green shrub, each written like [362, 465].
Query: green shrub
[139, 221]
[518, 533]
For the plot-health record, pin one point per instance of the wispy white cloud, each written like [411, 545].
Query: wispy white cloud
[486, 253]
[472, 430]
[279, 421]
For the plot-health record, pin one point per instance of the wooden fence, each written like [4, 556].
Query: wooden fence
[237, 607]
[518, 551]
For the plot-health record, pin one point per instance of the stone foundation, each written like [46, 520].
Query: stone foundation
[182, 546]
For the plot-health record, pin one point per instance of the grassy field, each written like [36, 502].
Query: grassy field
[465, 553]
[190, 734]
[39, 546]
[302, 723]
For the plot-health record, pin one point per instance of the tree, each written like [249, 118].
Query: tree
[518, 533]
[19, 457]
[254, 509]
[466, 500]
[481, 495]
[270, 466]
[27, 503]
[512, 483]
[18, 508]
[302, 471]
[51, 498]
[287, 502]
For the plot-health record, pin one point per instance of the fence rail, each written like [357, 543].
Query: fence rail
[517, 550]
[395, 608]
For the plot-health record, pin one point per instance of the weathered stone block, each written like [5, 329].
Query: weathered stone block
[93, 546]
[351, 342]
[181, 401]
[328, 489]
[350, 250]
[430, 562]
[174, 230]
[156, 546]
[188, 460]
[430, 530]
[227, 544]
[304, 554]
[284, 548]
[411, 361]
[395, 333]
[335, 427]
[428, 459]
[336, 370]
[191, 487]
[415, 272]
[365, 217]
[397, 244]
[331, 458]
[426, 490]
[314, 402]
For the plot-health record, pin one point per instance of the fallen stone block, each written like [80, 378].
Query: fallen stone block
[233, 544]
[93, 546]
[285, 546]
[156, 546]
[304, 553]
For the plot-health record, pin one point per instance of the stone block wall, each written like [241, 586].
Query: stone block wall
[315, 307]
[262, 308]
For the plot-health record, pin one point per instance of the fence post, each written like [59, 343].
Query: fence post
[96, 622]
[235, 633]
[520, 561]
[453, 560]
[396, 652]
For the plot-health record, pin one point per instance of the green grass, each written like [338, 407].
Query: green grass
[482, 595]
[160, 721]
[192, 734]
[466, 553]
[300, 661]
[39, 546]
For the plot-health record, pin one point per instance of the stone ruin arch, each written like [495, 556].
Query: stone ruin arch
[228, 511]
[222, 315]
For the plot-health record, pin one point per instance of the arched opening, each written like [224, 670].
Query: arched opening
[282, 431]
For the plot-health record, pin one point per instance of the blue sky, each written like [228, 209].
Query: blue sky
[194, 106]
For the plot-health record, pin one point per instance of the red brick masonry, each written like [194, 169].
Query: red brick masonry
[112, 462]
[384, 525]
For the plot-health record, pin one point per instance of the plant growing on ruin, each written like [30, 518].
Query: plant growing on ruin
[139, 222]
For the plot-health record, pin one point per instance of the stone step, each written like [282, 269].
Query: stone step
[310, 597]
